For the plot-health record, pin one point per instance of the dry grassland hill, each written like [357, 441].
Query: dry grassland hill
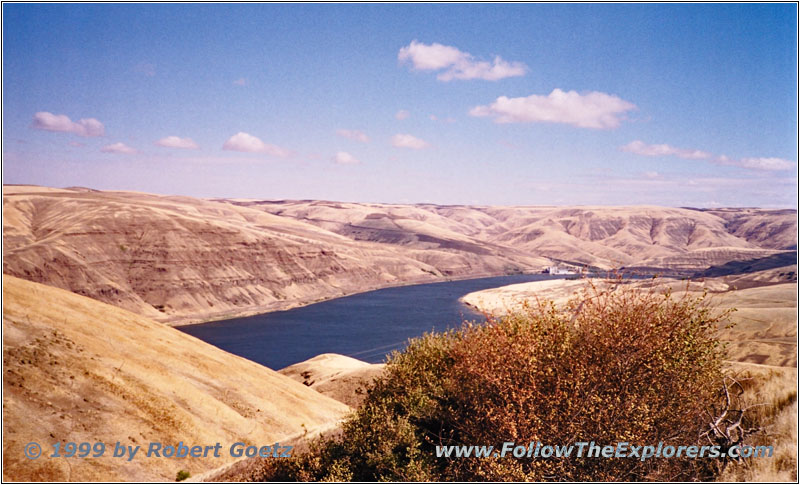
[678, 239]
[337, 376]
[78, 370]
[765, 330]
[181, 259]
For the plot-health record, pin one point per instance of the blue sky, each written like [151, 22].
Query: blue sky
[523, 104]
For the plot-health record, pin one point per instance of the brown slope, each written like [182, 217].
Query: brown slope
[611, 237]
[768, 228]
[412, 226]
[75, 369]
[180, 259]
[336, 376]
[605, 237]
[765, 330]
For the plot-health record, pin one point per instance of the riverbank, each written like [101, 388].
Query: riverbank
[291, 305]
[182, 260]
[365, 326]
[765, 316]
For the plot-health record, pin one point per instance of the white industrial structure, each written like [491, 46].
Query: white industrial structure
[559, 270]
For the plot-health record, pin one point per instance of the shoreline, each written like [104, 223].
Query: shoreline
[292, 305]
[272, 308]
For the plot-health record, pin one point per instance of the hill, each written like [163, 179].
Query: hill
[182, 259]
[337, 376]
[78, 370]
[765, 330]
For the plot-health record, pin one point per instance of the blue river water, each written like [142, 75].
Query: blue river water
[366, 326]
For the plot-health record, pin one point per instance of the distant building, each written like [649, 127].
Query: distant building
[558, 270]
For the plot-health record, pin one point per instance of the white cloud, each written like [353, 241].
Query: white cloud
[240, 82]
[344, 158]
[760, 163]
[402, 114]
[353, 135]
[592, 110]
[118, 147]
[431, 57]
[656, 150]
[177, 142]
[457, 64]
[495, 71]
[409, 141]
[84, 127]
[243, 142]
[641, 148]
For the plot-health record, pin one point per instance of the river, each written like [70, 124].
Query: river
[366, 326]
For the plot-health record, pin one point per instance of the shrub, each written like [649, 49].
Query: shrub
[614, 364]
[182, 475]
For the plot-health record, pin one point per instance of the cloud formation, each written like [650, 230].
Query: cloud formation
[457, 64]
[592, 110]
[402, 140]
[402, 114]
[658, 150]
[344, 158]
[240, 82]
[353, 135]
[118, 147]
[244, 142]
[641, 148]
[84, 127]
[177, 142]
[757, 163]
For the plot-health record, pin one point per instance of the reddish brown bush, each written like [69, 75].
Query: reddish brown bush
[615, 364]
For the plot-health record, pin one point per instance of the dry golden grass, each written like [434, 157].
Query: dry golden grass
[337, 376]
[182, 259]
[77, 370]
[776, 389]
[765, 330]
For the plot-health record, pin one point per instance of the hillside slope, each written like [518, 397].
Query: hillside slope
[337, 376]
[603, 237]
[765, 330]
[183, 260]
[78, 370]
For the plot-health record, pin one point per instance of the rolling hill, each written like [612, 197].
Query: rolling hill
[765, 303]
[78, 370]
[182, 260]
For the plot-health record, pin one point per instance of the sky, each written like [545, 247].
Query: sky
[690, 105]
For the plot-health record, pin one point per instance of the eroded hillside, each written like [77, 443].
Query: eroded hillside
[181, 259]
[602, 237]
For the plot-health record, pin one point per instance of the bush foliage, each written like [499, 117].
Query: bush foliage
[614, 364]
